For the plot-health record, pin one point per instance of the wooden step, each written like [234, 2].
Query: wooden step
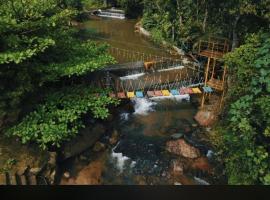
[32, 180]
[12, 179]
[21, 180]
[3, 180]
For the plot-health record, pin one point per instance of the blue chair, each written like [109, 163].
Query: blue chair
[207, 89]
[139, 94]
[175, 92]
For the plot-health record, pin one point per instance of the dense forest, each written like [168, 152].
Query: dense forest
[44, 65]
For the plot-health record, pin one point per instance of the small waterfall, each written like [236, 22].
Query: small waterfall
[209, 154]
[124, 116]
[119, 158]
[143, 106]
[132, 77]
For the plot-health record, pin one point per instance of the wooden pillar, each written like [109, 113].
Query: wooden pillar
[214, 65]
[203, 100]
[207, 71]
[223, 76]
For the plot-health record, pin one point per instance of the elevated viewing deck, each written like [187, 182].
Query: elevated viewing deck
[213, 47]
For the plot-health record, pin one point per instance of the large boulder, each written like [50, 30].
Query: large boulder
[205, 118]
[202, 164]
[86, 139]
[89, 175]
[182, 148]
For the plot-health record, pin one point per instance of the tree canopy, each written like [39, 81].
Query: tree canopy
[39, 46]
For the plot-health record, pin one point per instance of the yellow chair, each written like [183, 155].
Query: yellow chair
[165, 92]
[196, 90]
[130, 94]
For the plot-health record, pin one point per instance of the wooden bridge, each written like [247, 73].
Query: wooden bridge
[155, 76]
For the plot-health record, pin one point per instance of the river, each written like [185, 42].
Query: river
[140, 155]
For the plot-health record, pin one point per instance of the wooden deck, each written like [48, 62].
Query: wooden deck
[216, 84]
[211, 54]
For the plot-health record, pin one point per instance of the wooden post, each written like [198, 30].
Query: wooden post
[223, 77]
[214, 65]
[206, 72]
[203, 100]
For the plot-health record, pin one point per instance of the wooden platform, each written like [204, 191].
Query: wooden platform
[216, 84]
[211, 54]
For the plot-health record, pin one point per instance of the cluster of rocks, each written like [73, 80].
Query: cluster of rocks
[188, 158]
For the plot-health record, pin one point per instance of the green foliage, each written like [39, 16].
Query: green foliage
[247, 125]
[133, 8]
[183, 22]
[9, 163]
[39, 47]
[60, 117]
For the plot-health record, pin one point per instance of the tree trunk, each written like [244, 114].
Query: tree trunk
[235, 42]
[205, 19]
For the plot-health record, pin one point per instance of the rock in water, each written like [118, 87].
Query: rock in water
[177, 136]
[86, 139]
[201, 164]
[67, 175]
[205, 118]
[35, 171]
[182, 148]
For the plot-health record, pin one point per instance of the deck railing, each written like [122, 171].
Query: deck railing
[214, 45]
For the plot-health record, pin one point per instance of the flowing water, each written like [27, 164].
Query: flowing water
[139, 157]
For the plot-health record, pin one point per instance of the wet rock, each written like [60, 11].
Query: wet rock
[52, 158]
[35, 171]
[201, 164]
[86, 139]
[177, 136]
[114, 138]
[99, 147]
[177, 167]
[89, 175]
[66, 175]
[182, 148]
[205, 118]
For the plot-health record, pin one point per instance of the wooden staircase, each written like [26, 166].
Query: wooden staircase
[24, 179]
